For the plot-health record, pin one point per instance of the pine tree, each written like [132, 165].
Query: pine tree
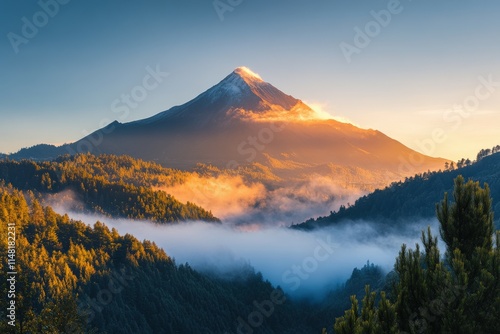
[349, 322]
[467, 229]
[368, 313]
[386, 316]
[468, 223]
[371, 319]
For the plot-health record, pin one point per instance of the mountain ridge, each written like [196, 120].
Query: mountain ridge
[244, 120]
[415, 198]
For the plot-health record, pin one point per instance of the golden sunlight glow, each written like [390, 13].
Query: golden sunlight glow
[319, 108]
[322, 113]
[248, 72]
[275, 113]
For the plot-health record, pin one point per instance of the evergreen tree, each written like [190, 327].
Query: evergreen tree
[348, 324]
[370, 320]
[467, 224]
[386, 316]
[467, 229]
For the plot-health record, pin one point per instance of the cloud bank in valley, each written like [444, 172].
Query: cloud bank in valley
[242, 203]
[226, 196]
[304, 264]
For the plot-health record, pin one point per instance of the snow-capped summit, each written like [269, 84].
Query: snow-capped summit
[246, 89]
[247, 73]
[242, 95]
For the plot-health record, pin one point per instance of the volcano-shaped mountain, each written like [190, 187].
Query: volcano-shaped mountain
[244, 120]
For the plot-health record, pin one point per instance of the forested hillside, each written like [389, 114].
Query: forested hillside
[454, 292]
[72, 278]
[117, 186]
[416, 197]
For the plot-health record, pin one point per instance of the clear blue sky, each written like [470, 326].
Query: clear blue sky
[418, 65]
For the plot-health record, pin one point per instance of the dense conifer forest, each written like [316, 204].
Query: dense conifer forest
[112, 185]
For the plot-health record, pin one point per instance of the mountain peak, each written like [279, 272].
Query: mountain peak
[242, 96]
[246, 73]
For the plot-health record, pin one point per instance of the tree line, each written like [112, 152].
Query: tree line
[467, 162]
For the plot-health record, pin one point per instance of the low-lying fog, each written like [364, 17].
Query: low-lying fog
[304, 264]
[235, 201]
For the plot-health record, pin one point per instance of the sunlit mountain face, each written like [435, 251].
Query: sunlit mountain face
[244, 120]
[259, 150]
